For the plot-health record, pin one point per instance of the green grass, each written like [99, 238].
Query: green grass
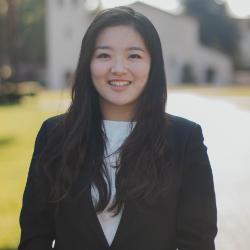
[18, 128]
[19, 125]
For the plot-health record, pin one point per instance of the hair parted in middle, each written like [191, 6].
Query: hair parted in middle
[79, 141]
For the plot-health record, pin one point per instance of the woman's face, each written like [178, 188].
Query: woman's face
[119, 69]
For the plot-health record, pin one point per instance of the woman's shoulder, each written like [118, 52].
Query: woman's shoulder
[50, 126]
[54, 120]
[180, 123]
[181, 129]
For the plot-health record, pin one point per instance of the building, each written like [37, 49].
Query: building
[244, 41]
[186, 60]
[242, 74]
[66, 23]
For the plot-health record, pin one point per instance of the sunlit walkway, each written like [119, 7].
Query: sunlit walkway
[226, 129]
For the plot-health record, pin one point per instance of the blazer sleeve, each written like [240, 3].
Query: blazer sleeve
[36, 217]
[197, 215]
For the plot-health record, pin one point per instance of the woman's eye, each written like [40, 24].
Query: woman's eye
[135, 56]
[103, 55]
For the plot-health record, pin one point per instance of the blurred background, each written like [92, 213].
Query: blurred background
[206, 47]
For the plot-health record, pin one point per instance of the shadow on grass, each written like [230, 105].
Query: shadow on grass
[7, 248]
[6, 141]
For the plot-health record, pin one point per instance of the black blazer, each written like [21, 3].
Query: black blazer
[185, 219]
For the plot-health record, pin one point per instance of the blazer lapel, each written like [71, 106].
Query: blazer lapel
[90, 217]
[126, 226]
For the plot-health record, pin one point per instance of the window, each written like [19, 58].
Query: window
[210, 75]
[187, 74]
[69, 78]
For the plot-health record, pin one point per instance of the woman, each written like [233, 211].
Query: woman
[116, 171]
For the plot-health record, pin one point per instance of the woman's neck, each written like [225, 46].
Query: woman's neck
[117, 113]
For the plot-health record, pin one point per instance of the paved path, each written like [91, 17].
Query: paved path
[226, 129]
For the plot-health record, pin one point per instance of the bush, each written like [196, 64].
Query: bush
[12, 93]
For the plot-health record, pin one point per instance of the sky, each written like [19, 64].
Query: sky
[237, 8]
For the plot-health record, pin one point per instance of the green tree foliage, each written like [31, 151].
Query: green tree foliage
[22, 31]
[217, 28]
[31, 30]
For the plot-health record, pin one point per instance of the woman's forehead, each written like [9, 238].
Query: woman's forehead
[120, 36]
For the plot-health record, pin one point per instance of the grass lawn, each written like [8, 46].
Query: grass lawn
[18, 128]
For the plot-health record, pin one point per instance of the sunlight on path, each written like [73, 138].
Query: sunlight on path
[227, 135]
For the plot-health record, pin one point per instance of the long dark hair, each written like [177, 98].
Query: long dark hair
[76, 149]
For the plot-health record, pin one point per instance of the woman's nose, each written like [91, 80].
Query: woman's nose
[119, 67]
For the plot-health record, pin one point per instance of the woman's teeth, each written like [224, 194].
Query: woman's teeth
[119, 83]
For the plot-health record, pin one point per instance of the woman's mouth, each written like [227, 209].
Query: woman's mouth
[119, 85]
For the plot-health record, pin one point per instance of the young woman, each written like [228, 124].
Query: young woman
[116, 171]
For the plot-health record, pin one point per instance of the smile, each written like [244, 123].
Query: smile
[119, 83]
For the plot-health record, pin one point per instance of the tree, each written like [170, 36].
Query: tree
[8, 45]
[31, 30]
[217, 28]
[22, 29]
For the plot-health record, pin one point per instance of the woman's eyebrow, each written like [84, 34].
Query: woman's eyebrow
[136, 48]
[102, 47]
[130, 48]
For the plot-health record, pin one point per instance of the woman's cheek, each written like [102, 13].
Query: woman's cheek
[98, 68]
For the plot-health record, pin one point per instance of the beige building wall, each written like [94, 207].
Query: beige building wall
[67, 20]
[180, 41]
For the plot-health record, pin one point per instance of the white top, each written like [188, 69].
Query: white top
[116, 132]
